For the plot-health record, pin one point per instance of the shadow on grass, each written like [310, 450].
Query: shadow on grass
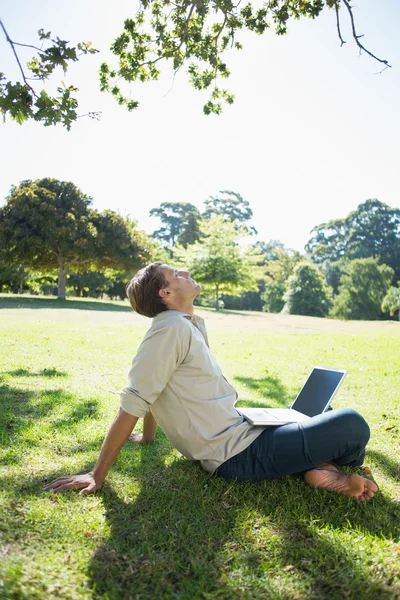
[253, 313]
[270, 387]
[187, 535]
[19, 404]
[87, 409]
[224, 312]
[51, 372]
[32, 302]
[20, 408]
[387, 464]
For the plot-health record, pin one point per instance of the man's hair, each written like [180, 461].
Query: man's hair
[143, 288]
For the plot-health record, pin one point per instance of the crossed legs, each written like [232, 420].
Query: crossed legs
[314, 448]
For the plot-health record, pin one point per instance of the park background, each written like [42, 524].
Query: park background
[313, 134]
[313, 131]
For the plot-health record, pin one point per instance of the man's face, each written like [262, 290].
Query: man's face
[180, 284]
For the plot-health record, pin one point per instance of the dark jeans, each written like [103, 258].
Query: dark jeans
[336, 436]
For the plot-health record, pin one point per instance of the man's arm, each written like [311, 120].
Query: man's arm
[117, 435]
[149, 431]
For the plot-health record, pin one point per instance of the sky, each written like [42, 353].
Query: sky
[314, 130]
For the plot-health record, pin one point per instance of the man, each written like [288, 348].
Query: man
[176, 381]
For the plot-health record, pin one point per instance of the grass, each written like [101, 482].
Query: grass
[161, 527]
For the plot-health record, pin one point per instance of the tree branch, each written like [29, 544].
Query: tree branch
[91, 114]
[183, 36]
[342, 41]
[28, 46]
[222, 27]
[357, 37]
[17, 59]
[173, 81]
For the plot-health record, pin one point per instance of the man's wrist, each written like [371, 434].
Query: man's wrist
[98, 476]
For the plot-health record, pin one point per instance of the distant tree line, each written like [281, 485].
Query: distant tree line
[350, 269]
[52, 241]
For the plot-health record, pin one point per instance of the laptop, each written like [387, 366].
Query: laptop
[313, 399]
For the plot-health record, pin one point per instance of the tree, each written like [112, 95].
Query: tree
[180, 223]
[307, 292]
[269, 249]
[255, 300]
[277, 270]
[233, 207]
[22, 101]
[273, 297]
[362, 290]
[217, 261]
[191, 33]
[12, 277]
[391, 301]
[245, 301]
[92, 284]
[41, 282]
[372, 230]
[48, 224]
[333, 271]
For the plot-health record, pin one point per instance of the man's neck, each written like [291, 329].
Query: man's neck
[185, 308]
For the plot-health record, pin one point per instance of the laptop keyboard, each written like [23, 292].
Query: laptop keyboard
[279, 413]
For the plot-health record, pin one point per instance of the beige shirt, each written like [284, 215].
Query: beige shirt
[176, 376]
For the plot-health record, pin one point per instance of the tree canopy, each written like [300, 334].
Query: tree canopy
[362, 290]
[49, 224]
[277, 269]
[372, 230]
[217, 261]
[195, 34]
[231, 206]
[180, 223]
[307, 292]
[23, 101]
[391, 302]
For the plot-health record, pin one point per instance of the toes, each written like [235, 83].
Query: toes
[366, 495]
[370, 485]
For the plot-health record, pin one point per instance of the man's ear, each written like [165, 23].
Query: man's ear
[163, 293]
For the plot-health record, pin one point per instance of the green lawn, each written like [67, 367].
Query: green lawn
[161, 527]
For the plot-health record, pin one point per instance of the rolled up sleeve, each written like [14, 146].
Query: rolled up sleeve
[162, 350]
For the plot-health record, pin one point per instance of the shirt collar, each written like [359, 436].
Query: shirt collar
[170, 313]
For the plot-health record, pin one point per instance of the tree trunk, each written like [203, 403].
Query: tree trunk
[62, 280]
[216, 298]
[21, 286]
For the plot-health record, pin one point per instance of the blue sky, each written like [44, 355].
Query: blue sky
[314, 131]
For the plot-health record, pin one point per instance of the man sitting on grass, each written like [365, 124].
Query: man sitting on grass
[175, 376]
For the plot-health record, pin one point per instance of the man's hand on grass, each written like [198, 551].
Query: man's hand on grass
[116, 437]
[86, 483]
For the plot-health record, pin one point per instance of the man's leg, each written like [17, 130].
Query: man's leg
[338, 436]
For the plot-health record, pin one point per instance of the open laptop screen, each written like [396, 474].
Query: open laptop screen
[318, 391]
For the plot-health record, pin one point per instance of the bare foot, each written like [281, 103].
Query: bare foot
[327, 467]
[350, 485]
[137, 438]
